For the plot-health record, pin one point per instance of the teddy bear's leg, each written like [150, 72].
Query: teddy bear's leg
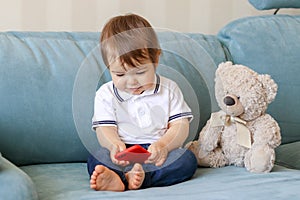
[260, 159]
[214, 158]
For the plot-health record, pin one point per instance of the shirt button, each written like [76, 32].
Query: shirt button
[142, 112]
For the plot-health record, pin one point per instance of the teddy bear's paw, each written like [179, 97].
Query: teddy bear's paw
[217, 158]
[260, 159]
[193, 146]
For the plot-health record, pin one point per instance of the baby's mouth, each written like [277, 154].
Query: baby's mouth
[136, 90]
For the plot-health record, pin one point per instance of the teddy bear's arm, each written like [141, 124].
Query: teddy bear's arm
[266, 131]
[209, 137]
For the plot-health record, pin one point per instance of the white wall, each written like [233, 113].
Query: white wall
[205, 16]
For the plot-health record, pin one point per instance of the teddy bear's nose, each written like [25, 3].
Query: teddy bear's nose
[229, 101]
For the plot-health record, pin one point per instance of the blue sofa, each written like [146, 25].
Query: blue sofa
[47, 86]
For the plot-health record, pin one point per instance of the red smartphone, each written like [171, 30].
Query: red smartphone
[134, 154]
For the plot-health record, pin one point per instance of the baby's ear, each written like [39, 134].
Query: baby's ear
[158, 53]
[269, 85]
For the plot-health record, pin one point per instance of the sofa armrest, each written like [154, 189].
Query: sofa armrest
[15, 184]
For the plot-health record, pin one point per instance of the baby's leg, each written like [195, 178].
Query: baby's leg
[135, 177]
[106, 180]
[180, 166]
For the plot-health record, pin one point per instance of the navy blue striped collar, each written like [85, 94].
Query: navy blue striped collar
[123, 96]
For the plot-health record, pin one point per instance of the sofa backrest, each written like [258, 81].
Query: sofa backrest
[48, 82]
[37, 72]
[271, 45]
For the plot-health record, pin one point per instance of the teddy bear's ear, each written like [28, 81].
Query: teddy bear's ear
[225, 64]
[222, 66]
[269, 85]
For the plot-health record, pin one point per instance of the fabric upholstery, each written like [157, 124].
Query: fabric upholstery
[15, 184]
[274, 4]
[71, 181]
[36, 90]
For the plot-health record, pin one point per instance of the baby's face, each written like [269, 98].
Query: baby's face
[133, 80]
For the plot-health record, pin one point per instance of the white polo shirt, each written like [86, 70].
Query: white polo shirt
[140, 118]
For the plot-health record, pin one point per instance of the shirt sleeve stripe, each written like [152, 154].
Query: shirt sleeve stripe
[105, 122]
[185, 114]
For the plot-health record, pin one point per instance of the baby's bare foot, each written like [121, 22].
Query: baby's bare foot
[135, 177]
[106, 180]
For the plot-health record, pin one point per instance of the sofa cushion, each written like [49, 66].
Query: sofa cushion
[275, 52]
[71, 181]
[273, 4]
[37, 75]
[288, 155]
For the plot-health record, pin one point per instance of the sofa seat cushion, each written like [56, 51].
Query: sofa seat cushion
[71, 181]
[275, 52]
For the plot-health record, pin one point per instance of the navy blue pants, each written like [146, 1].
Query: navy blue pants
[180, 166]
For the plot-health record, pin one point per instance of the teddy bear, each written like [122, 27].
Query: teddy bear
[241, 133]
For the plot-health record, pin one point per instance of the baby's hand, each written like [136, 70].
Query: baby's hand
[116, 149]
[159, 154]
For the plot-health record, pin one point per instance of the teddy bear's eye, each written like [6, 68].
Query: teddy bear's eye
[238, 97]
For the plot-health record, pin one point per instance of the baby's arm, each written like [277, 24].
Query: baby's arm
[174, 138]
[108, 138]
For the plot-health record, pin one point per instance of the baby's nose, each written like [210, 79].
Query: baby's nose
[132, 81]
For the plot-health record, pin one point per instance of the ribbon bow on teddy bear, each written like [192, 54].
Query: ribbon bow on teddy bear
[243, 133]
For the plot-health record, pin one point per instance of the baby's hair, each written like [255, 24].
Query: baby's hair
[129, 38]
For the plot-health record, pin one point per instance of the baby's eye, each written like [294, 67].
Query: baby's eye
[141, 72]
[119, 75]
